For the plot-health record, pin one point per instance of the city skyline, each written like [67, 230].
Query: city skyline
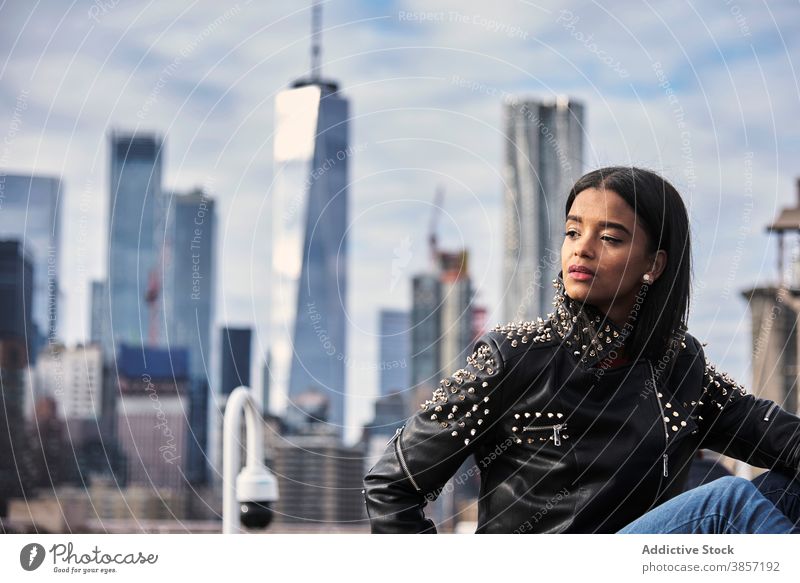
[428, 98]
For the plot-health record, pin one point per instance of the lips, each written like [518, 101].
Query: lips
[580, 269]
[580, 273]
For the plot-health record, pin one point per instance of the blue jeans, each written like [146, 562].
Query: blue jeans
[729, 505]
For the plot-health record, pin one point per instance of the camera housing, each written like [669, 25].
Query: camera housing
[256, 489]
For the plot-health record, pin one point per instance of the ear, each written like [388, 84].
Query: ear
[659, 264]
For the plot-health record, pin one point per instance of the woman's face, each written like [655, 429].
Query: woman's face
[605, 253]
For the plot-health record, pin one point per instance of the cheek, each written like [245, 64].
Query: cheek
[628, 270]
[612, 270]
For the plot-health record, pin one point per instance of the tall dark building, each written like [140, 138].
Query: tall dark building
[235, 359]
[16, 292]
[30, 213]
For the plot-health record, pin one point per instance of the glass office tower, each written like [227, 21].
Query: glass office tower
[135, 239]
[309, 246]
[544, 157]
[30, 213]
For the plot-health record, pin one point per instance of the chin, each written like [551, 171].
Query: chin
[579, 293]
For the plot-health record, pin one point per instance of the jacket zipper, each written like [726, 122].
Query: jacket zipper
[769, 411]
[396, 433]
[556, 429]
[399, 450]
[665, 456]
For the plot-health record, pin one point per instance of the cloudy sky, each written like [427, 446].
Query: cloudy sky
[706, 93]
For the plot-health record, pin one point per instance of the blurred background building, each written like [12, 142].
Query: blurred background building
[543, 159]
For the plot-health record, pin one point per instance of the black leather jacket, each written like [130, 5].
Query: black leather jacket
[564, 443]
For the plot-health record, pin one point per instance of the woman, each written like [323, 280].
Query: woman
[587, 421]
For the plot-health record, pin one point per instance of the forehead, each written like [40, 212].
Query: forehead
[602, 205]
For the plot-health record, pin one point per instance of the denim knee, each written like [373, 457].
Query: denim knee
[731, 489]
[733, 483]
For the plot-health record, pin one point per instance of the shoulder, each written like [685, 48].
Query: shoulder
[514, 339]
[696, 357]
[690, 354]
[691, 346]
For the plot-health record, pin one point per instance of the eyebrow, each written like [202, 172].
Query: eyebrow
[606, 224]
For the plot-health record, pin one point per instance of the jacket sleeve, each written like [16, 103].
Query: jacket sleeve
[741, 425]
[430, 448]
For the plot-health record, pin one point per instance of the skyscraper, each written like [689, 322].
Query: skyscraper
[136, 234]
[309, 244]
[395, 343]
[16, 279]
[189, 277]
[235, 360]
[456, 310]
[188, 291]
[441, 322]
[544, 157]
[426, 290]
[17, 275]
[234, 366]
[30, 212]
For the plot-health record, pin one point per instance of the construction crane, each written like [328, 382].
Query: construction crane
[152, 294]
[433, 247]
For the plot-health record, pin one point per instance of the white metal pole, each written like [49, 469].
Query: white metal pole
[240, 401]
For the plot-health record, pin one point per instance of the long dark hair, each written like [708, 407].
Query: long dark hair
[662, 319]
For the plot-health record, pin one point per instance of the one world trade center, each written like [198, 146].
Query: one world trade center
[308, 287]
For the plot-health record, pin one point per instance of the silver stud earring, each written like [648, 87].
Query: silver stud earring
[646, 278]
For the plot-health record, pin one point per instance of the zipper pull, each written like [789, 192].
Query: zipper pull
[556, 436]
[396, 433]
[666, 468]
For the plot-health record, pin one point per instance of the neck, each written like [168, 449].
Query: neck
[618, 315]
[621, 311]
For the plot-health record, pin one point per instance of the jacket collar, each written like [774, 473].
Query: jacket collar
[584, 330]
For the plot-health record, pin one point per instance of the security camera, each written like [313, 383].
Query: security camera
[256, 489]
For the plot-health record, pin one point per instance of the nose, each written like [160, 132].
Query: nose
[584, 248]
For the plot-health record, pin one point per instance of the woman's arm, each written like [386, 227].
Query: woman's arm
[738, 424]
[430, 448]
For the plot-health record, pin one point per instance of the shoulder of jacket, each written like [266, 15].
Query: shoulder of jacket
[517, 337]
[691, 346]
